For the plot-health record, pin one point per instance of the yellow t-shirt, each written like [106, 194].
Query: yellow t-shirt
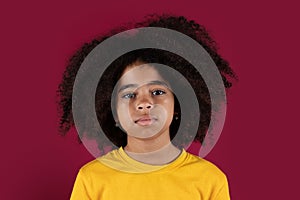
[117, 176]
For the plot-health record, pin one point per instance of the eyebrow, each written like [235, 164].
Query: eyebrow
[156, 82]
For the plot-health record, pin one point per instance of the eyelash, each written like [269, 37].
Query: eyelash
[132, 95]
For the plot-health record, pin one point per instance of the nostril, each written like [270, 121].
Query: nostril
[141, 107]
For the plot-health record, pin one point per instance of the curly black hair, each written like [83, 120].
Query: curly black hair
[114, 71]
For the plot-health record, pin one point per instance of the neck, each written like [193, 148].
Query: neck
[146, 145]
[155, 151]
[160, 157]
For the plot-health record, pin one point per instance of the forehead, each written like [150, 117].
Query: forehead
[140, 74]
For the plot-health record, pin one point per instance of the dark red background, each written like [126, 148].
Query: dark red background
[258, 146]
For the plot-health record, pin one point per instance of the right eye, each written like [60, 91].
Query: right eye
[128, 96]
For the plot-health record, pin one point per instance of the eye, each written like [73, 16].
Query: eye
[128, 96]
[158, 92]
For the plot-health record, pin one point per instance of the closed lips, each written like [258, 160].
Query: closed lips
[145, 119]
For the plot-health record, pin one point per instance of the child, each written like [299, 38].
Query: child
[139, 111]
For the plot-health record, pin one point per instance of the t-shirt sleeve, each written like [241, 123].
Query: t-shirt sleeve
[79, 191]
[223, 193]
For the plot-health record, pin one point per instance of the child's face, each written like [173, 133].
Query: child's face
[145, 104]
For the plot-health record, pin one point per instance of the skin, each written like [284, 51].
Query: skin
[145, 109]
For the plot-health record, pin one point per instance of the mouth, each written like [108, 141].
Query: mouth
[145, 121]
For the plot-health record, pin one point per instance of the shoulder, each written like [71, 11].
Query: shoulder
[205, 169]
[97, 166]
[91, 165]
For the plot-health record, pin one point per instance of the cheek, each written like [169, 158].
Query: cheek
[124, 112]
[169, 104]
[121, 109]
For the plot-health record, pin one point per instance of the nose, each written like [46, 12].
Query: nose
[145, 104]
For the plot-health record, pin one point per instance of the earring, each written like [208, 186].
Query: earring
[117, 123]
[176, 115]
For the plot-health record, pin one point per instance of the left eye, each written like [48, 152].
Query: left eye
[158, 92]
